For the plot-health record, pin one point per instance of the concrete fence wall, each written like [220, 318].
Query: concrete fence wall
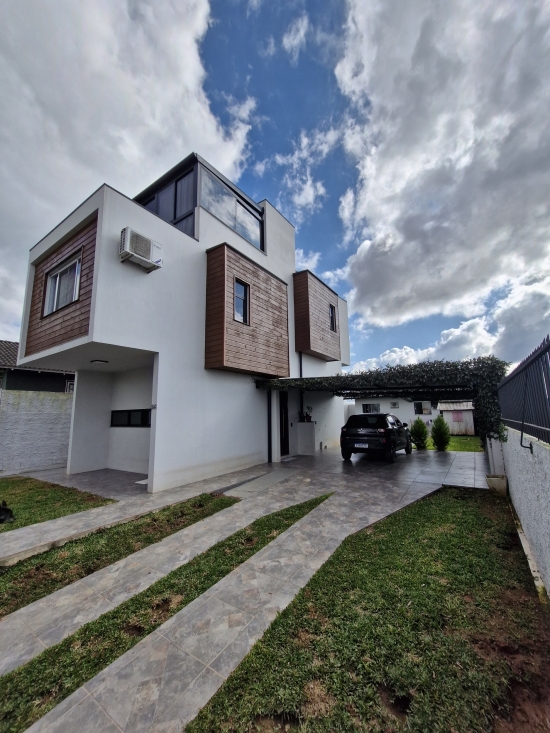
[34, 430]
[529, 484]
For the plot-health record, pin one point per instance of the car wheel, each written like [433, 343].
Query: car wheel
[390, 455]
[346, 455]
[409, 449]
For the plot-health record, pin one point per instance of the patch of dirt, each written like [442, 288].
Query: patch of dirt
[316, 616]
[526, 655]
[133, 629]
[250, 541]
[304, 638]
[162, 608]
[319, 702]
[509, 541]
[492, 510]
[279, 723]
[397, 705]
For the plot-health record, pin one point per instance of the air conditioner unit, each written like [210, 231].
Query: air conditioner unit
[139, 249]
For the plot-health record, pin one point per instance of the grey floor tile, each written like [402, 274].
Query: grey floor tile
[18, 644]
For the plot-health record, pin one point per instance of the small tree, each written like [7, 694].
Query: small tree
[419, 434]
[441, 435]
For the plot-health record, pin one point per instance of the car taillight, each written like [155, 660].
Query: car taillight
[344, 430]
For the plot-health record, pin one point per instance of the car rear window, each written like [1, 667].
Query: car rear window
[366, 421]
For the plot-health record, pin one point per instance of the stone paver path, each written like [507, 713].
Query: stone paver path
[162, 683]
[44, 623]
[19, 544]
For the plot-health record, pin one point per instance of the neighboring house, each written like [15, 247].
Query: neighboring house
[459, 416]
[35, 414]
[404, 409]
[167, 306]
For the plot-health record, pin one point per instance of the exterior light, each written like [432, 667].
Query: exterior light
[98, 361]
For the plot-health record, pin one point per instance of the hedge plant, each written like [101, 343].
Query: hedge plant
[441, 435]
[419, 434]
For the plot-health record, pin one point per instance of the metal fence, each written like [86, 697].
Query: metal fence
[524, 395]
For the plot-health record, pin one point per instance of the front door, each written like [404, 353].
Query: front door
[283, 410]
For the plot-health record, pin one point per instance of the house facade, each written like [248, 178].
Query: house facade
[459, 416]
[167, 307]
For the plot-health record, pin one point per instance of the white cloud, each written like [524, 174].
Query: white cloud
[307, 261]
[333, 277]
[294, 40]
[110, 91]
[269, 49]
[448, 126]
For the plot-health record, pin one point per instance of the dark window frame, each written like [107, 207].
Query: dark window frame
[152, 204]
[332, 317]
[246, 301]
[145, 418]
[371, 412]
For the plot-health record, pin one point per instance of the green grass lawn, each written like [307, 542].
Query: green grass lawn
[27, 693]
[36, 501]
[467, 443]
[40, 575]
[426, 622]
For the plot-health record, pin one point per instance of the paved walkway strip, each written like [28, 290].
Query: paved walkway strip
[35, 538]
[160, 684]
[44, 623]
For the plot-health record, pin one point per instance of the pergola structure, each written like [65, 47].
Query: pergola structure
[471, 379]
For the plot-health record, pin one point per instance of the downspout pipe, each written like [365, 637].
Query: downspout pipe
[269, 449]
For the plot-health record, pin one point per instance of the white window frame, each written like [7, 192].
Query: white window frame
[368, 408]
[54, 275]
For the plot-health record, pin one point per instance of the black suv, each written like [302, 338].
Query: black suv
[378, 433]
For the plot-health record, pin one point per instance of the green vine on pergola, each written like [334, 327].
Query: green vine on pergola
[471, 379]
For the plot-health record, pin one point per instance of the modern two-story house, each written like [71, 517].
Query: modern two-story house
[167, 307]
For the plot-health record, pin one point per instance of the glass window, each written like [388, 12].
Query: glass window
[371, 408]
[220, 201]
[332, 315]
[248, 226]
[151, 205]
[217, 199]
[62, 286]
[165, 203]
[131, 419]
[422, 408]
[241, 302]
[366, 421]
[187, 225]
[185, 195]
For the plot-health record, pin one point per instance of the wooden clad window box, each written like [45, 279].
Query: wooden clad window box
[246, 326]
[315, 317]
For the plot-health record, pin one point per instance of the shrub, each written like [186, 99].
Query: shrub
[441, 435]
[419, 433]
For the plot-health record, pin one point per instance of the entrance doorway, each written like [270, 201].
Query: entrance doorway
[283, 421]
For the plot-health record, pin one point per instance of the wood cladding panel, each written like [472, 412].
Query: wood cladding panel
[72, 321]
[259, 347]
[313, 336]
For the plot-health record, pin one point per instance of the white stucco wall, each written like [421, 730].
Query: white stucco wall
[129, 447]
[91, 421]
[529, 485]
[34, 430]
[405, 411]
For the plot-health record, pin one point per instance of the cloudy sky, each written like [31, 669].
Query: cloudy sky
[408, 140]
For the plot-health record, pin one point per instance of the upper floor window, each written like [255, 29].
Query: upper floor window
[371, 408]
[242, 293]
[224, 204]
[332, 316]
[175, 203]
[62, 286]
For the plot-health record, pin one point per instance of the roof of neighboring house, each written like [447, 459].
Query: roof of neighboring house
[8, 358]
[455, 406]
[8, 353]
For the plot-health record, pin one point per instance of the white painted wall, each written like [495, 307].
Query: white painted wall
[529, 483]
[34, 430]
[129, 447]
[405, 411]
[91, 421]
[343, 327]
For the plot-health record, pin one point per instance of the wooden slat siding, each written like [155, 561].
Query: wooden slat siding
[215, 308]
[312, 318]
[261, 347]
[72, 321]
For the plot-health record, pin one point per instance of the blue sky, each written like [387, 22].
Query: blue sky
[407, 141]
